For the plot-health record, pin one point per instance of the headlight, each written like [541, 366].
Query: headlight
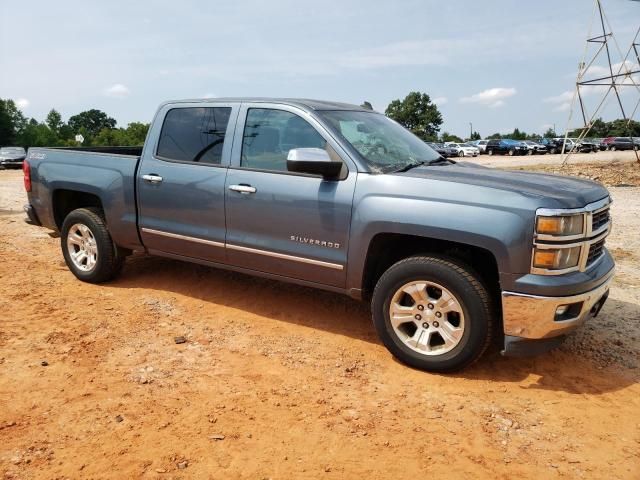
[556, 258]
[562, 226]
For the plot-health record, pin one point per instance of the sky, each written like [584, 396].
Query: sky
[497, 64]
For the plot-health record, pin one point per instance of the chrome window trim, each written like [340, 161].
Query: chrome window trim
[268, 253]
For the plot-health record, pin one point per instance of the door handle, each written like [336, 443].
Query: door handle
[244, 189]
[152, 178]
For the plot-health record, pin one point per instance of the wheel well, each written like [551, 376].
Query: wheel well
[388, 248]
[65, 201]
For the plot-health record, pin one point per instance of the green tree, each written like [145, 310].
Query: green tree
[495, 136]
[475, 136]
[89, 123]
[7, 131]
[367, 105]
[12, 122]
[550, 133]
[418, 114]
[54, 120]
[448, 137]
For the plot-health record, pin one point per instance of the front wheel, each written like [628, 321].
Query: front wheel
[87, 246]
[461, 153]
[432, 313]
[489, 152]
[511, 153]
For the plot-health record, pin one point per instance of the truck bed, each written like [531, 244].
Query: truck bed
[107, 174]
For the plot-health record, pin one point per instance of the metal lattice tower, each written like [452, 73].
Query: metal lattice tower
[620, 75]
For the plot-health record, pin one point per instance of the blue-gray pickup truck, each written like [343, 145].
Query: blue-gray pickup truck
[334, 196]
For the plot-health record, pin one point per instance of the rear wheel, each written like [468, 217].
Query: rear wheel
[87, 246]
[613, 148]
[489, 152]
[511, 153]
[529, 152]
[553, 151]
[432, 313]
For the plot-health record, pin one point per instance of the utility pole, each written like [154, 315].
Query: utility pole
[470, 131]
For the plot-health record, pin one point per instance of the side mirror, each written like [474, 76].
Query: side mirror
[315, 161]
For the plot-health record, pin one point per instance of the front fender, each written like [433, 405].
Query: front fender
[506, 232]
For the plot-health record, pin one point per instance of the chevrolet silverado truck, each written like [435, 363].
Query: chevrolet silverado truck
[450, 255]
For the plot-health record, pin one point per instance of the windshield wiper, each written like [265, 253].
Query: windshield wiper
[435, 161]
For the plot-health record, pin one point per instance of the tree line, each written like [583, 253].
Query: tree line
[97, 128]
[415, 112]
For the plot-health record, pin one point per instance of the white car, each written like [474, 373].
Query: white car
[481, 145]
[464, 149]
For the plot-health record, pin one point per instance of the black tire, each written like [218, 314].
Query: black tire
[489, 152]
[461, 153]
[463, 283]
[613, 148]
[529, 152]
[553, 151]
[512, 153]
[110, 258]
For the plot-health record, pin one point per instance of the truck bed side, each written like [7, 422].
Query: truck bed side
[63, 180]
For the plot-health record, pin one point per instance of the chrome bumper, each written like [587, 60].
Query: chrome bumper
[534, 317]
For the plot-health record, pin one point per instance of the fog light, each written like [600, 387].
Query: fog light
[561, 310]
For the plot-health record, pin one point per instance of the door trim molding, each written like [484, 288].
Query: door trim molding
[267, 253]
[182, 237]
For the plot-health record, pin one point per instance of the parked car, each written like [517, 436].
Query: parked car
[554, 145]
[535, 147]
[584, 145]
[12, 157]
[446, 152]
[623, 143]
[481, 145]
[506, 146]
[606, 142]
[341, 198]
[463, 149]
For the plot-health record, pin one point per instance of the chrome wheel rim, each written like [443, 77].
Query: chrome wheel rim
[82, 247]
[426, 317]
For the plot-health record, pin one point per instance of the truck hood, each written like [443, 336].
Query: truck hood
[553, 191]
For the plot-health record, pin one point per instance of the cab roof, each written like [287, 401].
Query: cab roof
[304, 103]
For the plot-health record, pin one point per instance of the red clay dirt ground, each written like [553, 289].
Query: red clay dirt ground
[279, 381]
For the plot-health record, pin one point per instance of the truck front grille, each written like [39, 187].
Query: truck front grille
[595, 251]
[599, 219]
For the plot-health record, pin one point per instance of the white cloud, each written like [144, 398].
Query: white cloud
[210, 95]
[440, 100]
[563, 97]
[117, 91]
[22, 103]
[492, 97]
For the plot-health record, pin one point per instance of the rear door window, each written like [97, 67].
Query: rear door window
[194, 134]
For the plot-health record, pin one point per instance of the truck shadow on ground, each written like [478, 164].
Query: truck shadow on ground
[559, 370]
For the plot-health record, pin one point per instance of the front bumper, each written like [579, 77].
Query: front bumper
[534, 317]
[11, 163]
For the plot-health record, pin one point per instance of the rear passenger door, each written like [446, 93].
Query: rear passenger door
[279, 222]
[181, 180]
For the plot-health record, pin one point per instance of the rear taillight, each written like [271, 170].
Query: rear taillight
[26, 169]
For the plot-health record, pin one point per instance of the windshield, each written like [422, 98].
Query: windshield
[382, 143]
